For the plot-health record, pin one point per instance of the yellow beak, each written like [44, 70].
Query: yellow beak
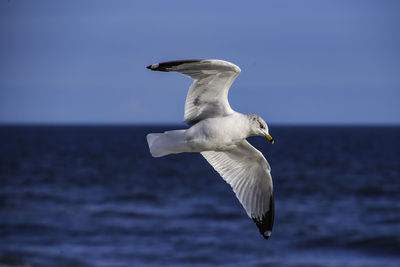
[269, 137]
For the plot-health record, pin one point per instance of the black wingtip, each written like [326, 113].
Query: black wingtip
[267, 221]
[169, 65]
[153, 66]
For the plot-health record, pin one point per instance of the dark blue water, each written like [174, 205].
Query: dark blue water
[93, 196]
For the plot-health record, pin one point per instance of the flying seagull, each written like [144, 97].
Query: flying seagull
[219, 133]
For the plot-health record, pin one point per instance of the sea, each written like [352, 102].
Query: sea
[94, 196]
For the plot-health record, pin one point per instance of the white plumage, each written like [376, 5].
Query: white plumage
[219, 134]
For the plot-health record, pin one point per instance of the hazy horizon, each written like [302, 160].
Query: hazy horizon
[156, 124]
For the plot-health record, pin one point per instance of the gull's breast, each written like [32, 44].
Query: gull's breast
[217, 133]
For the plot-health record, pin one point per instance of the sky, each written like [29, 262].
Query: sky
[303, 62]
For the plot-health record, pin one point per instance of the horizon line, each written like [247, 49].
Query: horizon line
[128, 124]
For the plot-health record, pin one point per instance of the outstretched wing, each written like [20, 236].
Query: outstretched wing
[246, 170]
[208, 94]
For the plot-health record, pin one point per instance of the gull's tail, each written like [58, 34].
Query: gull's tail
[170, 142]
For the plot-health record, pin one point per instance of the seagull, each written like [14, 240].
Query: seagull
[219, 133]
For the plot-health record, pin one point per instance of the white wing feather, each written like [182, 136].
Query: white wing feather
[246, 170]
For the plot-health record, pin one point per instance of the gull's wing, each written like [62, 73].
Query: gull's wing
[246, 170]
[208, 94]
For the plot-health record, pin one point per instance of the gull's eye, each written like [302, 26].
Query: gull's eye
[261, 126]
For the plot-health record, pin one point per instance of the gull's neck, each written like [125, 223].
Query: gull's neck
[250, 118]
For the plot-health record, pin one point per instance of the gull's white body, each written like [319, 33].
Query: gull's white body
[219, 134]
[216, 134]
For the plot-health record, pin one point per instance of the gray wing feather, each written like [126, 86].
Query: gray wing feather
[208, 94]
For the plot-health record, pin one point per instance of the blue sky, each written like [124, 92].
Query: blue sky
[334, 62]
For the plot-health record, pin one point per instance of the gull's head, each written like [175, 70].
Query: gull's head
[259, 127]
